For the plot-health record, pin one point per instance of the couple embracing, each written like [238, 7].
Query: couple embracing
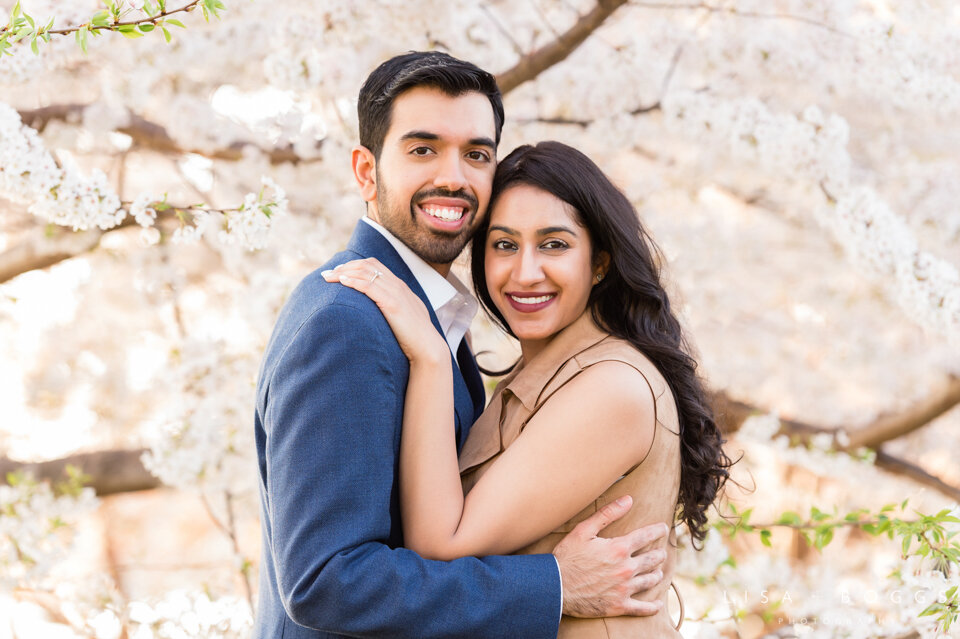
[395, 502]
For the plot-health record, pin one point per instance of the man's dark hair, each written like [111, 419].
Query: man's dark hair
[419, 69]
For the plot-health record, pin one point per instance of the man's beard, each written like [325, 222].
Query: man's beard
[431, 245]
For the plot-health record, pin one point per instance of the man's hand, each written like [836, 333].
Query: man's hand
[600, 575]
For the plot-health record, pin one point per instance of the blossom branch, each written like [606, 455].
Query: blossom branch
[731, 414]
[45, 248]
[743, 14]
[150, 135]
[23, 27]
[532, 65]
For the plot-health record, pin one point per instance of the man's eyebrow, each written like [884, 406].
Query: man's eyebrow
[487, 142]
[427, 135]
[419, 135]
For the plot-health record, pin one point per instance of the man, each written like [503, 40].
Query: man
[331, 393]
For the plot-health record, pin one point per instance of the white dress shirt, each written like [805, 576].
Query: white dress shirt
[452, 302]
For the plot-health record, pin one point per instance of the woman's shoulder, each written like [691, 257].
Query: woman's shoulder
[615, 349]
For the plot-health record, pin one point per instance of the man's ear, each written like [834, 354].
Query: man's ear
[365, 172]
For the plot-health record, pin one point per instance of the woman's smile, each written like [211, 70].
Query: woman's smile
[539, 265]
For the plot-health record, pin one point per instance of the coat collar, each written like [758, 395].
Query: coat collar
[528, 381]
[366, 241]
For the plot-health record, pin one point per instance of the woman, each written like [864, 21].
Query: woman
[605, 400]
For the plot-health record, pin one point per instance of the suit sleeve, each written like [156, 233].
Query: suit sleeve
[333, 410]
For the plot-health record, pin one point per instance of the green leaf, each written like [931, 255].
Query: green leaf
[789, 518]
[818, 515]
[904, 504]
[906, 545]
[101, 19]
[176, 23]
[34, 47]
[30, 20]
[765, 538]
[132, 34]
[16, 9]
[147, 27]
[83, 38]
[166, 35]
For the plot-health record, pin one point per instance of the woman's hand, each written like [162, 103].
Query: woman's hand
[404, 311]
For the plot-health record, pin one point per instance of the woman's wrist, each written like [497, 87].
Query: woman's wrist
[432, 352]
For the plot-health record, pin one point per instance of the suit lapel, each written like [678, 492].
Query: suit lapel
[368, 242]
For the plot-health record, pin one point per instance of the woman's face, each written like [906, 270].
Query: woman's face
[539, 269]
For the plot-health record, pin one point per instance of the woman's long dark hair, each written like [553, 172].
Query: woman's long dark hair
[630, 303]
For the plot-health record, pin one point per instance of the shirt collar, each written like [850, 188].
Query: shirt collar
[528, 381]
[438, 289]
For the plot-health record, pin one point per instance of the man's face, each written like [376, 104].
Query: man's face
[435, 172]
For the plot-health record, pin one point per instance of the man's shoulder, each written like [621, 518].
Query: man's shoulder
[314, 298]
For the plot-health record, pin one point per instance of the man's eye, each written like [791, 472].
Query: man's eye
[422, 150]
[478, 156]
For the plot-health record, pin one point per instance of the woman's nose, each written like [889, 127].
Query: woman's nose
[529, 269]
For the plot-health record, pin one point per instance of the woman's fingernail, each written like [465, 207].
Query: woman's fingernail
[326, 273]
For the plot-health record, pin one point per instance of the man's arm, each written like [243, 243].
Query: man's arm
[332, 414]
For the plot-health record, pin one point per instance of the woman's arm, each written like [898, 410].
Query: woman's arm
[599, 425]
[594, 429]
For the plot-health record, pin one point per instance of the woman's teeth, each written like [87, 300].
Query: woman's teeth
[443, 213]
[531, 300]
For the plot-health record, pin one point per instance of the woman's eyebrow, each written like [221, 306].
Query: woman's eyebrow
[555, 229]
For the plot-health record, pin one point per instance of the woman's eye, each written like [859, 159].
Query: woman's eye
[555, 245]
[503, 245]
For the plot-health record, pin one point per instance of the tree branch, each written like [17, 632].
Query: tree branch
[149, 135]
[902, 467]
[889, 427]
[731, 413]
[532, 65]
[110, 471]
[743, 14]
[45, 248]
[42, 249]
[116, 471]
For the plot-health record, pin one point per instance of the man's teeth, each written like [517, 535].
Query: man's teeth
[444, 213]
[531, 300]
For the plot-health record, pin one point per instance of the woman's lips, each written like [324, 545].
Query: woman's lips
[530, 302]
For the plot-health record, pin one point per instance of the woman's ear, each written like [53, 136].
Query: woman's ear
[601, 264]
[365, 172]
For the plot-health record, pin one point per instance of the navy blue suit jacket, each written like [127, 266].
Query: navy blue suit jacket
[330, 399]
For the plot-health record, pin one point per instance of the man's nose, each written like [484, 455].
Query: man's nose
[450, 175]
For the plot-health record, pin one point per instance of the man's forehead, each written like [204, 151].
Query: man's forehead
[429, 110]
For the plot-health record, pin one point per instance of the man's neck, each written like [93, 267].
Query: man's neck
[443, 268]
